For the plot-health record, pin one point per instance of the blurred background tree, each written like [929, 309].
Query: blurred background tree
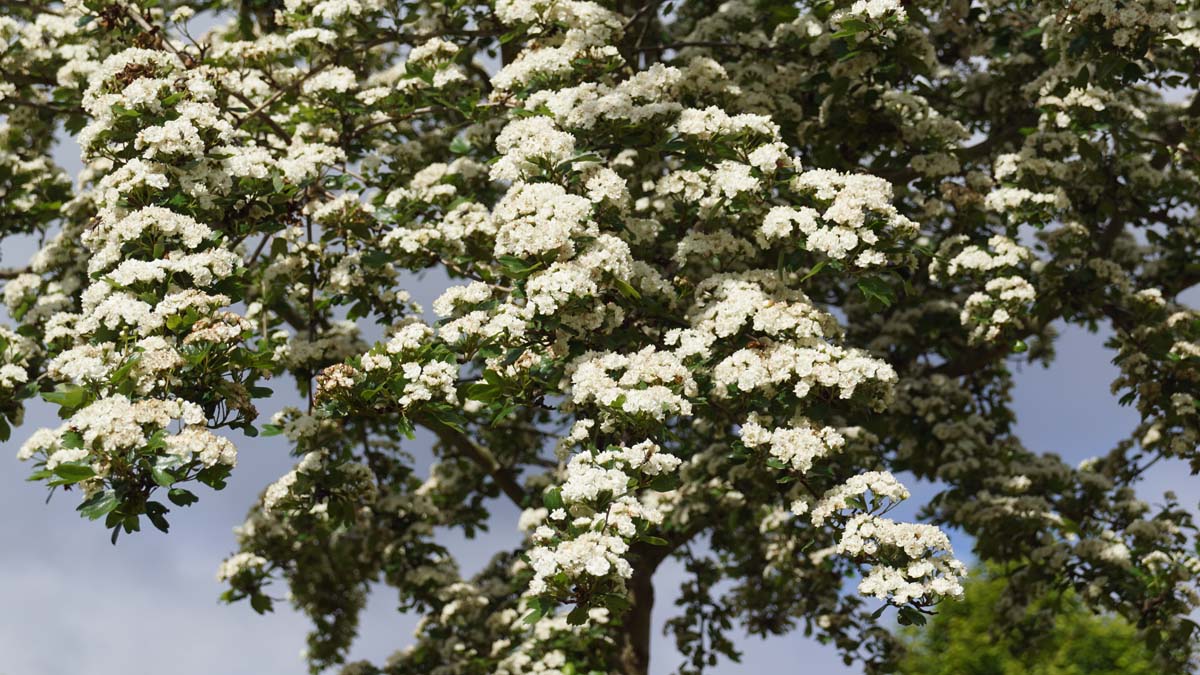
[1059, 636]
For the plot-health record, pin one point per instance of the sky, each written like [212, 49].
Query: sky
[78, 604]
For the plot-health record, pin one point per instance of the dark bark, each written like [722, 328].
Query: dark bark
[634, 639]
[635, 636]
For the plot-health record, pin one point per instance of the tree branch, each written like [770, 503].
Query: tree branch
[259, 111]
[483, 457]
[39, 105]
[712, 44]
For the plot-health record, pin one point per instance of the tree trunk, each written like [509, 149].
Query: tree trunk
[635, 647]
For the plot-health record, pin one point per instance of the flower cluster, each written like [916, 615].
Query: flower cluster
[856, 209]
[588, 522]
[649, 382]
[915, 560]
[153, 310]
[409, 372]
[796, 446]
[1004, 301]
[806, 368]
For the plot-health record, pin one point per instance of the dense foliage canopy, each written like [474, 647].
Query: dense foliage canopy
[1056, 636]
[719, 271]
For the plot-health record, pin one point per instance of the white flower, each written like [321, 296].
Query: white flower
[528, 141]
[880, 484]
[650, 382]
[797, 447]
[238, 563]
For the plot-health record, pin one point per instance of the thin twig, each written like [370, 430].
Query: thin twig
[257, 250]
[42, 106]
[715, 44]
[154, 30]
[258, 111]
[504, 103]
[188, 62]
[641, 11]
[279, 130]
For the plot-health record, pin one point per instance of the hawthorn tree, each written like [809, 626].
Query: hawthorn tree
[718, 271]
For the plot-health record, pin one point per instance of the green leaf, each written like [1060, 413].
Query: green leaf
[460, 145]
[581, 511]
[552, 499]
[626, 289]
[504, 412]
[271, 430]
[813, 272]
[910, 616]
[377, 258]
[516, 267]
[261, 603]
[181, 497]
[877, 292]
[73, 473]
[483, 391]
[512, 356]
[99, 505]
[68, 396]
[156, 513]
[161, 477]
[851, 27]
[578, 616]
[125, 112]
[665, 482]
[214, 476]
[538, 608]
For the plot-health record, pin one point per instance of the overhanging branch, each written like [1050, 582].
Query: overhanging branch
[481, 456]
